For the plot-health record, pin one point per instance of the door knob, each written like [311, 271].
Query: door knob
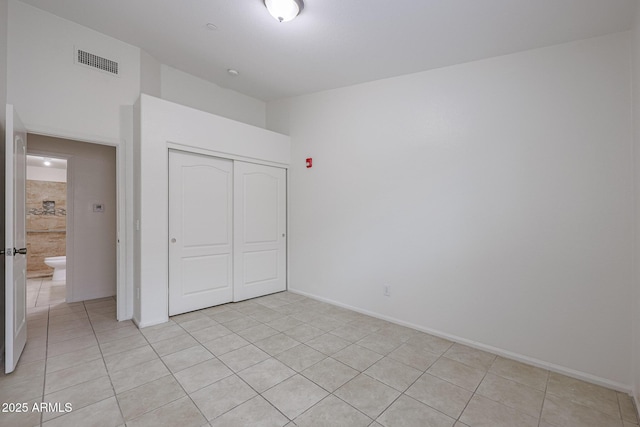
[173, 240]
[22, 251]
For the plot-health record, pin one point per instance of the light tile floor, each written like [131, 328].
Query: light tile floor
[43, 291]
[281, 360]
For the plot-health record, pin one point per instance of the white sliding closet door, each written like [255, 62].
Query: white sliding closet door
[200, 232]
[259, 232]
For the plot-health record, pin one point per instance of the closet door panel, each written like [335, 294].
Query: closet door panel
[259, 231]
[200, 232]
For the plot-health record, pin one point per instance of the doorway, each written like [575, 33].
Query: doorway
[46, 227]
[91, 214]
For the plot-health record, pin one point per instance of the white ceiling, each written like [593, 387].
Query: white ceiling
[38, 161]
[336, 43]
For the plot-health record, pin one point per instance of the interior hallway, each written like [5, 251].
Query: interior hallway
[280, 360]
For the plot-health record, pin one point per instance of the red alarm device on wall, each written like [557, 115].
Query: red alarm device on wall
[309, 162]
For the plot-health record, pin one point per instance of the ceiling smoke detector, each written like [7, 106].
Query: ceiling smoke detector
[284, 10]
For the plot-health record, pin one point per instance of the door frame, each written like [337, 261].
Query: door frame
[124, 286]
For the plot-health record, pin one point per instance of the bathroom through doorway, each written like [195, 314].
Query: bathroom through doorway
[46, 226]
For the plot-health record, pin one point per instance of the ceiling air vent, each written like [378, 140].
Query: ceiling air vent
[95, 61]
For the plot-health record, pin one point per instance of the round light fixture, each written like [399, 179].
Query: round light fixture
[233, 72]
[211, 26]
[284, 10]
[47, 162]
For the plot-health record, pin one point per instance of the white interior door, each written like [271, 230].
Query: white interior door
[259, 231]
[200, 232]
[15, 240]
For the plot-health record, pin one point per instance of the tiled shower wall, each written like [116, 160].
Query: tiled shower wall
[46, 225]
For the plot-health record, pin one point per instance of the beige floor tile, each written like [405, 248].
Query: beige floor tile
[304, 333]
[393, 373]
[22, 391]
[104, 413]
[300, 357]
[201, 375]
[184, 359]
[171, 330]
[349, 333]
[565, 413]
[123, 344]
[20, 418]
[629, 424]
[521, 373]
[470, 356]
[330, 374]
[367, 395]
[243, 357]
[222, 396]
[266, 374]
[328, 344]
[357, 357]
[210, 333]
[381, 344]
[222, 345]
[266, 315]
[80, 395]
[33, 353]
[129, 358]
[64, 347]
[68, 334]
[69, 360]
[397, 331]
[24, 371]
[241, 323]
[75, 375]
[409, 412]
[333, 412]
[116, 334]
[414, 357]
[583, 393]
[257, 333]
[512, 394]
[627, 408]
[173, 345]
[294, 396]
[457, 373]
[284, 323]
[182, 412]
[198, 323]
[276, 344]
[256, 412]
[150, 396]
[226, 316]
[138, 375]
[441, 395]
[483, 412]
[180, 319]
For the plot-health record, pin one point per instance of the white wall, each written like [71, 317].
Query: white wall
[192, 91]
[91, 243]
[495, 197]
[54, 95]
[636, 160]
[39, 173]
[161, 125]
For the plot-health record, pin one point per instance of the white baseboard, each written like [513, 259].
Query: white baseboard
[625, 388]
[141, 325]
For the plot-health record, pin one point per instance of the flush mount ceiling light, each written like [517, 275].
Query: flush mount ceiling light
[46, 162]
[284, 10]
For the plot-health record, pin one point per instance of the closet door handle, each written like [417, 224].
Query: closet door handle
[22, 251]
[173, 240]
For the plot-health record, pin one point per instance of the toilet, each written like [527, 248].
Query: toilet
[59, 265]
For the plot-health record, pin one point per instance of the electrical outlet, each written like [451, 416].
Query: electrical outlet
[386, 290]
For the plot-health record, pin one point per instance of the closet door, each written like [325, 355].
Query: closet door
[259, 231]
[200, 232]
